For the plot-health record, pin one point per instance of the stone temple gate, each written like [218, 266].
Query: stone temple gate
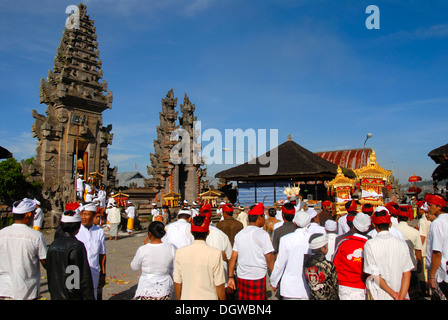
[71, 138]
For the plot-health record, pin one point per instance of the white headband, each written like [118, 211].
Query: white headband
[331, 225]
[25, 206]
[88, 207]
[312, 213]
[183, 211]
[71, 218]
[302, 219]
[319, 242]
[362, 222]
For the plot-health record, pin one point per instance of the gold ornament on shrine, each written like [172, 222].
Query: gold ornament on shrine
[371, 179]
[341, 188]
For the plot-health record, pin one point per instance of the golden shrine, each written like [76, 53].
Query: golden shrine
[171, 199]
[210, 197]
[121, 199]
[371, 180]
[341, 188]
[95, 178]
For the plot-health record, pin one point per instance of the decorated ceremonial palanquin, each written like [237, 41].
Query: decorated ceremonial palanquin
[95, 178]
[171, 199]
[211, 197]
[121, 199]
[371, 179]
[341, 189]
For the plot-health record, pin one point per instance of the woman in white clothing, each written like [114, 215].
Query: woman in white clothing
[155, 259]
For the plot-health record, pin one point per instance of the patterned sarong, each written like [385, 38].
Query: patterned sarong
[251, 289]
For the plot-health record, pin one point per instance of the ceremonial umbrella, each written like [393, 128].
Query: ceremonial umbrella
[415, 178]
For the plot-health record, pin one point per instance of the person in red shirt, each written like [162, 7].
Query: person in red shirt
[349, 259]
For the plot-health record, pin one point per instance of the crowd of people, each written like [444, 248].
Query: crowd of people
[302, 252]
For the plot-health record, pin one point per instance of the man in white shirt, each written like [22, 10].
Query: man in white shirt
[89, 193]
[80, 187]
[331, 228]
[155, 212]
[253, 251]
[424, 224]
[178, 233]
[198, 272]
[288, 267]
[38, 216]
[194, 210]
[414, 242]
[93, 238]
[21, 249]
[437, 245]
[100, 200]
[217, 239]
[314, 225]
[387, 261]
[114, 219]
[130, 213]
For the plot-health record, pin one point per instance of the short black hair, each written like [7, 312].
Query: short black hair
[272, 212]
[70, 227]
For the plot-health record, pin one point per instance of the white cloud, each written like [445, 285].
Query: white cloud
[22, 146]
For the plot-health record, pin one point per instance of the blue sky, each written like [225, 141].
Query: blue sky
[307, 68]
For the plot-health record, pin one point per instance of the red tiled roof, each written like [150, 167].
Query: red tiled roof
[350, 159]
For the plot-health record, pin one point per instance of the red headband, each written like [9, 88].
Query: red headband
[204, 227]
[381, 219]
[206, 206]
[393, 208]
[227, 208]
[353, 206]
[257, 210]
[326, 203]
[436, 200]
[350, 217]
[290, 211]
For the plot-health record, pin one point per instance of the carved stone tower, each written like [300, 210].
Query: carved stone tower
[172, 172]
[189, 171]
[71, 137]
[162, 170]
